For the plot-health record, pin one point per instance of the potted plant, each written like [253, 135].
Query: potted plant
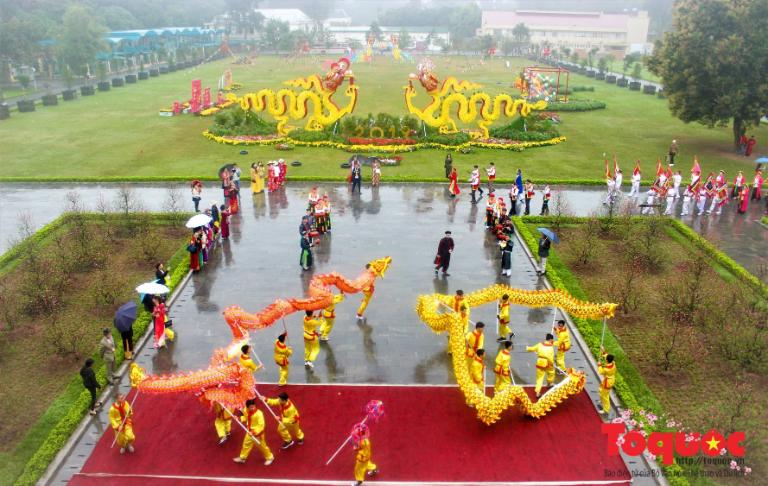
[5, 110]
[25, 105]
[50, 99]
[87, 89]
[660, 94]
[131, 78]
[143, 74]
[103, 83]
[601, 66]
[69, 94]
[118, 81]
[637, 71]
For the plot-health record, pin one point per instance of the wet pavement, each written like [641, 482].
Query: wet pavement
[742, 237]
[260, 263]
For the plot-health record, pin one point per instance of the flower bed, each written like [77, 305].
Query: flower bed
[380, 141]
[513, 145]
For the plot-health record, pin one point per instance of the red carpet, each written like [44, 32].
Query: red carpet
[427, 435]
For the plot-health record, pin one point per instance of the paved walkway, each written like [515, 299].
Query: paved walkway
[260, 263]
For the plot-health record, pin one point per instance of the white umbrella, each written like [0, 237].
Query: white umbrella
[198, 220]
[152, 288]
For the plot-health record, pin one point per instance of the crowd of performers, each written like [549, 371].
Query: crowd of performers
[317, 326]
[521, 194]
[550, 353]
[701, 196]
[315, 223]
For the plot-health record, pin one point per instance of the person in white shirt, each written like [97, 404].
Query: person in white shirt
[636, 177]
[687, 196]
[649, 201]
[677, 179]
[617, 181]
[514, 194]
[491, 171]
[611, 187]
[670, 202]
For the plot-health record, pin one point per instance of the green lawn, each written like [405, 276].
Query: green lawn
[120, 133]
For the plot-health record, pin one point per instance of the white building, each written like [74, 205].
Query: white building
[359, 33]
[338, 18]
[580, 31]
[296, 19]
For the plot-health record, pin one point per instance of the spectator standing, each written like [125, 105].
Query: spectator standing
[376, 177]
[161, 273]
[107, 351]
[448, 165]
[672, 152]
[444, 251]
[197, 194]
[357, 177]
[306, 251]
[544, 245]
[91, 384]
[750, 146]
[236, 173]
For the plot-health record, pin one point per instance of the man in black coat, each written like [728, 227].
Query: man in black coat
[91, 384]
[444, 250]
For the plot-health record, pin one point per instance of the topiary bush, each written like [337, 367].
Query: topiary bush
[237, 121]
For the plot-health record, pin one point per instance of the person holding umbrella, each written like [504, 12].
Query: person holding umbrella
[547, 237]
[124, 319]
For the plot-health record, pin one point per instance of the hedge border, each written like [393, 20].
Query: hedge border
[59, 434]
[630, 386]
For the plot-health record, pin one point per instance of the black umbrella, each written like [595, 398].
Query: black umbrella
[125, 316]
[226, 168]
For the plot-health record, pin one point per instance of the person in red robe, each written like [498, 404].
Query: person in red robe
[757, 188]
[158, 314]
[233, 203]
[283, 172]
[750, 146]
[453, 186]
[744, 199]
[194, 252]
[224, 222]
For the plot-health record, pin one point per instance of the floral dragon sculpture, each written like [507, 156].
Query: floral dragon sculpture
[438, 113]
[288, 104]
[489, 410]
[225, 381]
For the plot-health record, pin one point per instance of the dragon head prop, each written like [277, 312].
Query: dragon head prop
[379, 267]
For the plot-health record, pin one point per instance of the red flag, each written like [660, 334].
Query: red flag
[607, 170]
[659, 168]
[615, 165]
[696, 169]
[637, 168]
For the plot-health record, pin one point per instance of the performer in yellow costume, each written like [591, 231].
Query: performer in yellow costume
[474, 340]
[501, 368]
[329, 317]
[222, 422]
[289, 420]
[545, 362]
[502, 314]
[282, 352]
[477, 371]
[311, 341]
[253, 419]
[608, 372]
[563, 343]
[367, 294]
[120, 418]
[245, 358]
[363, 463]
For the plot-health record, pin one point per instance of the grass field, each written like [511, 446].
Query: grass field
[120, 133]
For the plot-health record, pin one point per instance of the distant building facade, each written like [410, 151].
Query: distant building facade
[612, 33]
[296, 19]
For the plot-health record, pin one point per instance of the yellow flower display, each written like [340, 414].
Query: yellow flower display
[246, 140]
[489, 409]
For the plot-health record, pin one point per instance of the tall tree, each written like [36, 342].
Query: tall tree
[714, 63]
[404, 38]
[375, 30]
[277, 35]
[521, 34]
[81, 37]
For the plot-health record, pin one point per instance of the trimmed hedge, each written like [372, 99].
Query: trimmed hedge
[575, 105]
[630, 386]
[74, 396]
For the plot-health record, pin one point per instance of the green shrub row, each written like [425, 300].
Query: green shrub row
[575, 105]
[8, 259]
[78, 406]
[236, 121]
[630, 386]
[721, 258]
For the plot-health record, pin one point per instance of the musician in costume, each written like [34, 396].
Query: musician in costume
[311, 338]
[474, 182]
[312, 199]
[757, 186]
[290, 421]
[529, 193]
[253, 418]
[282, 352]
[329, 317]
[514, 193]
[607, 371]
[501, 368]
[490, 208]
[491, 172]
[688, 195]
[327, 210]
[545, 359]
[121, 421]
